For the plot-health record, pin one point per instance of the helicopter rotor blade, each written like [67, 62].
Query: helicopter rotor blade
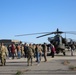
[70, 33]
[48, 33]
[44, 35]
[59, 32]
[32, 34]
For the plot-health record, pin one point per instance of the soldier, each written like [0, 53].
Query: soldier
[3, 54]
[34, 46]
[45, 51]
[40, 51]
[22, 50]
[0, 50]
[30, 54]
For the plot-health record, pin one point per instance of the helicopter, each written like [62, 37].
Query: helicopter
[58, 41]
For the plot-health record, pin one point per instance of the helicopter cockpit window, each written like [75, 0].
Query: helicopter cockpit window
[58, 39]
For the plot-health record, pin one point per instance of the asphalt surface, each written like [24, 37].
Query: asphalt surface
[53, 66]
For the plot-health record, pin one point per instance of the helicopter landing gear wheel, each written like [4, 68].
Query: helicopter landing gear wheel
[57, 52]
[64, 53]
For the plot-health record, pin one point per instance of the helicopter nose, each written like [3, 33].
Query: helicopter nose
[49, 39]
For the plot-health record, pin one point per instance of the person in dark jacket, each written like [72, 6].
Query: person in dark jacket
[13, 50]
[25, 50]
[52, 50]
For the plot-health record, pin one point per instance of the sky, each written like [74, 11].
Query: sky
[34, 16]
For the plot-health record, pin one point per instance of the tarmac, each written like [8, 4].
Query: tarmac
[54, 66]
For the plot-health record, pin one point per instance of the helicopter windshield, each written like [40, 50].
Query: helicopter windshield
[58, 39]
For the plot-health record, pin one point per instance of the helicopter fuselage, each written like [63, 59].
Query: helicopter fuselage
[57, 41]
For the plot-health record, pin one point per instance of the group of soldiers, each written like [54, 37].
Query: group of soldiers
[28, 51]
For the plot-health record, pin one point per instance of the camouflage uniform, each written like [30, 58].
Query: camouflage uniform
[40, 51]
[22, 51]
[45, 52]
[3, 54]
[0, 51]
[34, 46]
[30, 54]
